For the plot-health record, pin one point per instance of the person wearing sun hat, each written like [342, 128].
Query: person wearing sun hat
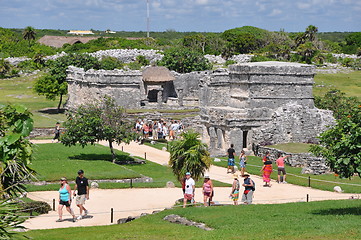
[207, 189]
[189, 189]
[235, 189]
[249, 188]
[64, 199]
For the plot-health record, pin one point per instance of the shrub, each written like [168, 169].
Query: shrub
[36, 206]
[229, 62]
[110, 63]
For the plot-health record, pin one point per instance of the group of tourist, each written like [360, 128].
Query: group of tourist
[267, 169]
[159, 129]
[81, 193]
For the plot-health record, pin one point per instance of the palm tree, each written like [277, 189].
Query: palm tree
[189, 154]
[29, 34]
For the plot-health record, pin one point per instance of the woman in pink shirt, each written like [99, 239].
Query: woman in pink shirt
[281, 167]
[207, 190]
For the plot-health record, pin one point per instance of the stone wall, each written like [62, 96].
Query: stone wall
[128, 89]
[310, 163]
[254, 102]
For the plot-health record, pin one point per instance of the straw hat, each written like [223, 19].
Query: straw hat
[245, 174]
[235, 175]
[206, 176]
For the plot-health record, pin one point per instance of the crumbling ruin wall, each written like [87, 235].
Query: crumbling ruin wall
[127, 88]
[254, 102]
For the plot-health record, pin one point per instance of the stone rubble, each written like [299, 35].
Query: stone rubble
[173, 218]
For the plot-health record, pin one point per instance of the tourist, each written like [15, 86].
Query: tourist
[242, 162]
[145, 130]
[155, 130]
[249, 188]
[235, 190]
[231, 154]
[160, 129]
[64, 199]
[281, 167]
[164, 130]
[267, 170]
[81, 184]
[266, 157]
[190, 190]
[56, 132]
[183, 182]
[207, 190]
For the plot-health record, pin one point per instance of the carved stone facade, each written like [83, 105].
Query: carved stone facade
[257, 102]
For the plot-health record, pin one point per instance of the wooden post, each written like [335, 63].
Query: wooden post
[309, 181]
[111, 215]
[53, 204]
[131, 183]
[145, 156]
[122, 149]
[307, 198]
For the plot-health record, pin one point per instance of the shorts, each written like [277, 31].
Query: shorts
[80, 199]
[65, 203]
[281, 169]
[247, 197]
[230, 161]
[188, 196]
[208, 194]
[242, 164]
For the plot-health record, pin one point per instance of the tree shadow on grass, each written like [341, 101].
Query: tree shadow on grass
[339, 211]
[100, 157]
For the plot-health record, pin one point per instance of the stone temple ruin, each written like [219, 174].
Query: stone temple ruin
[247, 104]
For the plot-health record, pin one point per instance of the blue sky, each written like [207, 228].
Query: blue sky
[182, 15]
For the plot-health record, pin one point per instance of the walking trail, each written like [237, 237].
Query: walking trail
[133, 202]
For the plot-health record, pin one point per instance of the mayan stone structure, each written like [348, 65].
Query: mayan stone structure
[247, 104]
[255, 103]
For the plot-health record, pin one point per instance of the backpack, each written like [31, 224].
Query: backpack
[254, 186]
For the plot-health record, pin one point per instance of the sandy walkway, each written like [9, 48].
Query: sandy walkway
[132, 202]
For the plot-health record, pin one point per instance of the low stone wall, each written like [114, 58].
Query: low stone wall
[310, 163]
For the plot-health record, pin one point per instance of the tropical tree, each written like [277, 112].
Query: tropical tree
[15, 149]
[54, 84]
[4, 67]
[97, 121]
[189, 154]
[29, 34]
[341, 145]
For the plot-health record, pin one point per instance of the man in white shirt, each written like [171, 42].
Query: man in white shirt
[189, 189]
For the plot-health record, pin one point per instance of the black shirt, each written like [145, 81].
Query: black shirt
[81, 183]
[231, 153]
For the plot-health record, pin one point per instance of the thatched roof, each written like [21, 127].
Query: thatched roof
[157, 74]
[59, 41]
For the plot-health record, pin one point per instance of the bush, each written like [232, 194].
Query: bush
[110, 63]
[229, 62]
[36, 206]
[184, 60]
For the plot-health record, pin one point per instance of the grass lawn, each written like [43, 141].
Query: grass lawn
[254, 166]
[295, 221]
[350, 83]
[53, 161]
[292, 147]
[19, 90]
[157, 145]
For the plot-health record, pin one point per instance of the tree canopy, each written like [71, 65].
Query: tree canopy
[98, 121]
[184, 60]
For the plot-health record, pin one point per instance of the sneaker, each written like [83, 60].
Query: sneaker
[59, 220]
[86, 212]
[284, 182]
[79, 217]
[74, 219]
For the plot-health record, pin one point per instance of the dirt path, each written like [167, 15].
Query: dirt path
[133, 202]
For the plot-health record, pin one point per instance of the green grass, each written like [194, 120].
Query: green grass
[19, 90]
[295, 221]
[157, 145]
[53, 161]
[292, 147]
[257, 163]
[350, 83]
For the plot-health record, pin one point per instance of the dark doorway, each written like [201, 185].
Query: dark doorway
[153, 95]
[245, 133]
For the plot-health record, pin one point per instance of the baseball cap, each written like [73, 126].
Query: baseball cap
[80, 171]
